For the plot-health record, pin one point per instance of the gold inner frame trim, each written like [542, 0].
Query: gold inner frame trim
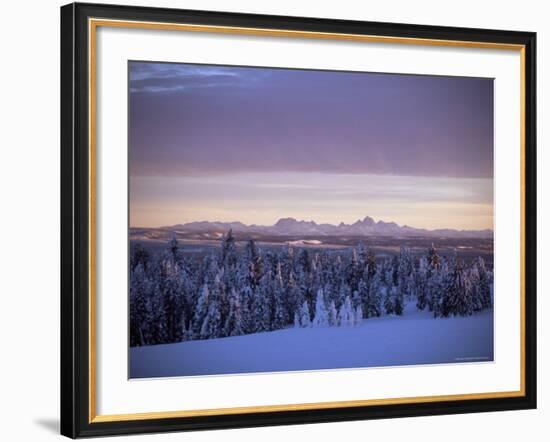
[93, 24]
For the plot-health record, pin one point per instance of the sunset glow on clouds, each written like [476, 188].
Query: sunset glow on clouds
[254, 145]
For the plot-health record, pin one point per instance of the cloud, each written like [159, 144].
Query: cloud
[262, 198]
[148, 77]
[189, 120]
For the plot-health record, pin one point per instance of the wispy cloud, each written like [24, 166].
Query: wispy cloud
[143, 71]
[262, 198]
[171, 77]
[192, 119]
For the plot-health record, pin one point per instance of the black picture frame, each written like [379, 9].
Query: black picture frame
[75, 221]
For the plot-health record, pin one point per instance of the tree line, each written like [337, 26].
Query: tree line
[242, 290]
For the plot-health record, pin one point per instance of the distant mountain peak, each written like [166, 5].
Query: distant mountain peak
[368, 221]
[286, 221]
[389, 224]
[289, 226]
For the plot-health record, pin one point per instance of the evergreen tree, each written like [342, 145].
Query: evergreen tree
[481, 286]
[304, 263]
[254, 264]
[200, 312]
[358, 319]
[287, 261]
[354, 271]
[437, 286]
[321, 315]
[346, 315]
[258, 312]
[280, 304]
[370, 262]
[293, 295]
[248, 321]
[343, 293]
[359, 295]
[369, 294]
[304, 315]
[405, 283]
[262, 305]
[219, 294]
[421, 284]
[157, 320]
[229, 249]
[297, 323]
[361, 256]
[173, 296]
[139, 256]
[395, 271]
[332, 315]
[233, 324]
[211, 326]
[185, 333]
[388, 300]
[433, 258]
[174, 251]
[398, 303]
[140, 288]
[456, 298]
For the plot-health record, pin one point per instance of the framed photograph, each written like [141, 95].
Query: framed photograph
[275, 220]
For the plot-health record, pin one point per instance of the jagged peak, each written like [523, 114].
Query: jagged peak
[287, 220]
[368, 220]
[290, 225]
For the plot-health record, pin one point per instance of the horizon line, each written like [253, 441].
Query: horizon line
[314, 222]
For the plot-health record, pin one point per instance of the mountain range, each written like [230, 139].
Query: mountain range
[292, 227]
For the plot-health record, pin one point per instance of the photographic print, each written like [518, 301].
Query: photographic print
[294, 219]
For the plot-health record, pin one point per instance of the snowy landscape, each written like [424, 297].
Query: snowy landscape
[377, 342]
[241, 308]
[307, 219]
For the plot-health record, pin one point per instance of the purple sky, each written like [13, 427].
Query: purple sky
[205, 140]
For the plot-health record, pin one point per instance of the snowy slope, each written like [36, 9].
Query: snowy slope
[415, 338]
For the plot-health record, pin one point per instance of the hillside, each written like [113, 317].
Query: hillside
[414, 338]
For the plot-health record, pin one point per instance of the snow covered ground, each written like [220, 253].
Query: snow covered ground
[414, 338]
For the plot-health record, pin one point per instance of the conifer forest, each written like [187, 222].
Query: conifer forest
[242, 288]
